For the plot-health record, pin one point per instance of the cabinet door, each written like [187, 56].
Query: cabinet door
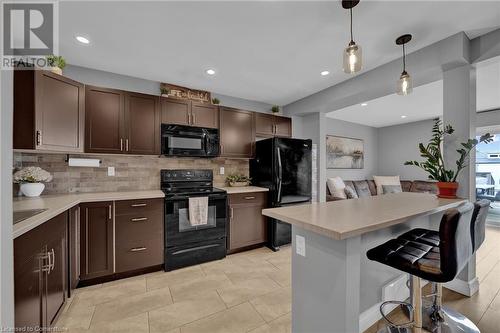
[204, 115]
[59, 112]
[264, 124]
[247, 226]
[96, 239]
[236, 132]
[104, 126]
[175, 111]
[56, 277]
[142, 124]
[283, 126]
[73, 249]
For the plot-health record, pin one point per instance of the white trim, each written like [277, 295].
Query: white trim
[466, 288]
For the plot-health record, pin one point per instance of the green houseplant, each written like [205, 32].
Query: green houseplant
[215, 101]
[57, 63]
[236, 180]
[434, 163]
[275, 109]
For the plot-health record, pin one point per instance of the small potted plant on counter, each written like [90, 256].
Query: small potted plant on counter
[31, 180]
[56, 63]
[238, 180]
[164, 92]
[434, 163]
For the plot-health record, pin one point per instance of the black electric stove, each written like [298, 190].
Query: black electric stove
[187, 244]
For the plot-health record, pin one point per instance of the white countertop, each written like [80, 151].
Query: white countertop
[348, 218]
[57, 204]
[244, 189]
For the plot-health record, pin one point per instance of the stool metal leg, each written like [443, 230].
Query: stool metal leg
[417, 303]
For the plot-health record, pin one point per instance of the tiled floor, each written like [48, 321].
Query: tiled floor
[246, 292]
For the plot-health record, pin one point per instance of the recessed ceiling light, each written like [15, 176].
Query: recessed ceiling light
[82, 39]
[323, 73]
[403, 117]
[210, 71]
[364, 104]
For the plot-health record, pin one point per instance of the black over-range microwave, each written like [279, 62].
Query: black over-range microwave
[178, 140]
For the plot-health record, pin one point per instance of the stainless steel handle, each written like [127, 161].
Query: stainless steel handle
[193, 118]
[232, 213]
[249, 198]
[280, 174]
[139, 219]
[189, 118]
[109, 212]
[38, 138]
[53, 260]
[126, 144]
[139, 205]
[121, 144]
[138, 249]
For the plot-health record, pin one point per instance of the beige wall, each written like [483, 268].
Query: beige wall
[131, 172]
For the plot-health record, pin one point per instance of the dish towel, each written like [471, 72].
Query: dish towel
[198, 211]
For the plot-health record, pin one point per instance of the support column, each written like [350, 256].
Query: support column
[459, 111]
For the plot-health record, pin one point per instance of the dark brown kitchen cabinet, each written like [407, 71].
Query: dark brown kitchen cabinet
[121, 122]
[73, 249]
[236, 133]
[96, 239]
[40, 273]
[189, 113]
[268, 125]
[48, 112]
[247, 225]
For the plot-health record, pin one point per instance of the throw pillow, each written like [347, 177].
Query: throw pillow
[350, 192]
[391, 189]
[385, 180]
[336, 187]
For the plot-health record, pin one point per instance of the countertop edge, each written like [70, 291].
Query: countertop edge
[243, 189]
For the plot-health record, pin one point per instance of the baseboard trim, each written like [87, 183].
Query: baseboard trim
[466, 288]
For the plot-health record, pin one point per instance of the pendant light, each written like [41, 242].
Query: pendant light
[404, 84]
[352, 53]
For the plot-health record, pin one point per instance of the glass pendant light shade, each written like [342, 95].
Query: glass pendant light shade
[353, 58]
[404, 85]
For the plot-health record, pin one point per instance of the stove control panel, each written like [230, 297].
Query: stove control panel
[183, 175]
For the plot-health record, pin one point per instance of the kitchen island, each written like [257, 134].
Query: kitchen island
[335, 288]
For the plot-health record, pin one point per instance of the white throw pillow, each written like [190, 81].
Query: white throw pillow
[385, 180]
[336, 187]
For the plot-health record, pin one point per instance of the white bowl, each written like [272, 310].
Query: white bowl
[32, 189]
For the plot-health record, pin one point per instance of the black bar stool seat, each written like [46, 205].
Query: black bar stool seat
[421, 235]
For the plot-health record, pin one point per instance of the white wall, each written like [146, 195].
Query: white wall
[397, 144]
[351, 130]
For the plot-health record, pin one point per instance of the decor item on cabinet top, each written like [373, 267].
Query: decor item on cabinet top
[56, 63]
[344, 153]
[275, 109]
[434, 163]
[172, 90]
[31, 180]
[238, 180]
[215, 101]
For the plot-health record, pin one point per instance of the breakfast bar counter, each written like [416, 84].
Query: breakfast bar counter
[335, 288]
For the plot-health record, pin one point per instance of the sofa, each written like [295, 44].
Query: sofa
[366, 188]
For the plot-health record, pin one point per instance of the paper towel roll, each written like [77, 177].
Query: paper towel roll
[84, 162]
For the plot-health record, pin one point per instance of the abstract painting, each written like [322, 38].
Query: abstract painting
[344, 153]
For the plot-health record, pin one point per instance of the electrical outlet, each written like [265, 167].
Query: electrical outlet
[111, 171]
[300, 245]
[221, 170]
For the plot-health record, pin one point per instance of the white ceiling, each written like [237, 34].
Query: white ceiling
[426, 102]
[266, 51]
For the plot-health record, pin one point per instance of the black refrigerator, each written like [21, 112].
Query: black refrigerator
[283, 165]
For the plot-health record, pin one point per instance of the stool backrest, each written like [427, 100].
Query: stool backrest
[478, 225]
[455, 245]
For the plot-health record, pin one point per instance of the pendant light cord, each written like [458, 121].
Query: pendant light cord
[404, 59]
[350, 10]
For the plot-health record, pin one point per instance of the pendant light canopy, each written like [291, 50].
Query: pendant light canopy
[404, 84]
[352, 59]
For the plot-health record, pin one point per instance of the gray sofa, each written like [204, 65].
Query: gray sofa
[366, 188]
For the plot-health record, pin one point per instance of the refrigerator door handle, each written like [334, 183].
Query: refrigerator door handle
[280, 174]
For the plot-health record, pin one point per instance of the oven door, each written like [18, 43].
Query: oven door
[178, 228]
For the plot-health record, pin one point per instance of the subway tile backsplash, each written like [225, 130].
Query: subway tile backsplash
[131, 172]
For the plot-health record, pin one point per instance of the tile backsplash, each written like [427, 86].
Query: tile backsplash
[131, 172]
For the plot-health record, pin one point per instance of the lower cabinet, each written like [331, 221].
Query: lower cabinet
[40, 274]
[73, 249]
[247, 225]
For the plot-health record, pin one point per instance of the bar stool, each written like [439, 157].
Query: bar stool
[438, 264]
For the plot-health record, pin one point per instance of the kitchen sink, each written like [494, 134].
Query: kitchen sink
[21, 215]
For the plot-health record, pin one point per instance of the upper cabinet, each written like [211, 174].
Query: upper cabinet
[120, 122]
[189, 113]
[268, 125]
[236, 133]
[48, 111]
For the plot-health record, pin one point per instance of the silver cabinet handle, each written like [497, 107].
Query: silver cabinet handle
[53, 260]
[138, 205]
[109, 212]
[249, 198]
[139, 219]
[126, 144]
[138, 249]
[193, 118]
[232, 213]
[121, 144]
[38, 138]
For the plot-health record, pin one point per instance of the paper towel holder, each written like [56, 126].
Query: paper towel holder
[67, 159]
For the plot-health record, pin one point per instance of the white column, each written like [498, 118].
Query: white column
[321, 157]
[459, 111]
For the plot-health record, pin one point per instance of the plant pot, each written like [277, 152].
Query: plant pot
[238, 184]
[447, 190]
[32, 189]
[56, 70]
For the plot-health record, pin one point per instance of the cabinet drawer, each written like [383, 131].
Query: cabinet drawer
[248, 198]
[139, 253]
[139, 206]
[139, 226]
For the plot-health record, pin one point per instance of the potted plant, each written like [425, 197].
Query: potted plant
[434, 163]
[275, 109]
[238, 180]
[31, 180]
[164, 91]
[57, 64]
[215, 101]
